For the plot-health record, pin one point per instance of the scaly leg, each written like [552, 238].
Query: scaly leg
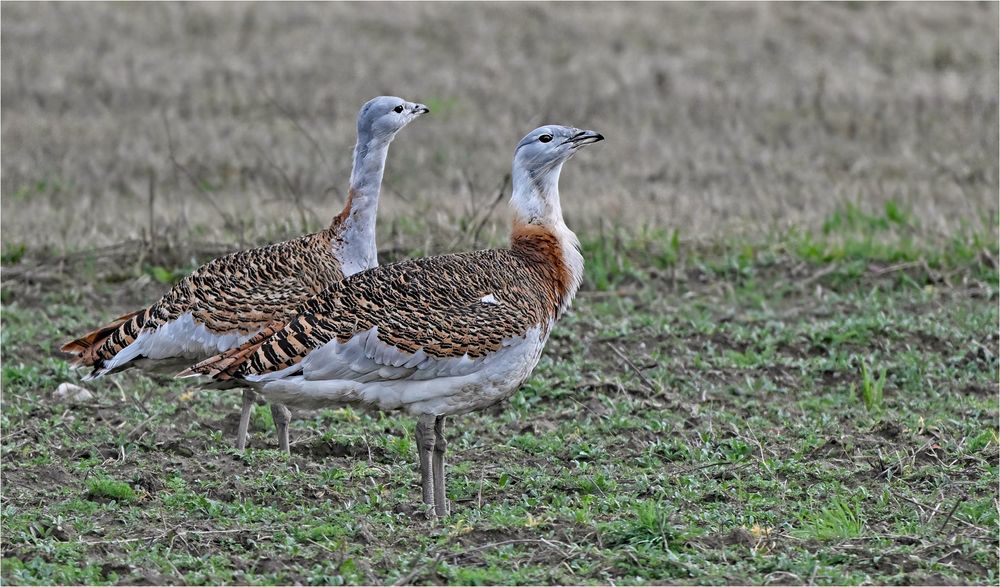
[425, 451]
[281, 416]
[249, 398]
[440, 444]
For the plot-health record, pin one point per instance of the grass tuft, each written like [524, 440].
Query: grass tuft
[839, 520]
[105, 488]
[872, 388]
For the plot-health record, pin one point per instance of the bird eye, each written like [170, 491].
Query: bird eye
[398, 109]
[545, 138]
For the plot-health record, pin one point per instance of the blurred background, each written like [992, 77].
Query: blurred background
[234, 123]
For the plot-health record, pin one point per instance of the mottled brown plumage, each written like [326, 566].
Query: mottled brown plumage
[434, 304]
[241, 292]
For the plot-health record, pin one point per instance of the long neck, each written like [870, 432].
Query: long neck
[356, 246]
[535, 198]
[540, 234]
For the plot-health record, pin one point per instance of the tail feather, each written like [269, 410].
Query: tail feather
[85, 346]
[222, 366]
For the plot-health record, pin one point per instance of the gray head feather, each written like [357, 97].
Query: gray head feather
[549, 146]
[382, 117]
[378, 122]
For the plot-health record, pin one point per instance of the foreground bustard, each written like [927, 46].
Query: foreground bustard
[231, 299]
[435, 336]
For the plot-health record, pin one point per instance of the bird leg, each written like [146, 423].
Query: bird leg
[249, 397]
[440, 499]
[281, 415]
[425, 450]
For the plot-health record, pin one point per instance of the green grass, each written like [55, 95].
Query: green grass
[780, 421]
[13, 253]
[110, 489]
[838, 521]
[872, 388]
[850, 246]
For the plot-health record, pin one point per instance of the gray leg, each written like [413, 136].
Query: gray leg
[425, 450]
[241, 435]
[440, 499]
[281, 416]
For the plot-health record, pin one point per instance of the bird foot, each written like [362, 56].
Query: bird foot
[416, 511]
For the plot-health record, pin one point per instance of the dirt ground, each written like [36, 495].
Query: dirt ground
[705, 425]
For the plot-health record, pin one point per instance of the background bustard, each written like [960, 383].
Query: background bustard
[233, 298]
[435, 336]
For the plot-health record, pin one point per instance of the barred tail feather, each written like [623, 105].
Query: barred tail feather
[85, 347]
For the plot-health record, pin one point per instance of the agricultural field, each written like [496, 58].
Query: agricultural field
[782, 367]
[803, 411]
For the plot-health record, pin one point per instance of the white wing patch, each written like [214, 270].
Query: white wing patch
[490, 299]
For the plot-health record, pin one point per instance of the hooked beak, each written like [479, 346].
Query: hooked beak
[420, 109]
[584, 137]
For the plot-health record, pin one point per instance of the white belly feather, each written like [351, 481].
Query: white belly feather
[366, 372]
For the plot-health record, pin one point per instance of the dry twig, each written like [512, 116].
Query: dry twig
[649, 384]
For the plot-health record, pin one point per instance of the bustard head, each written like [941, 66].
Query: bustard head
[547, 147]
[382, 117]
[538, 161]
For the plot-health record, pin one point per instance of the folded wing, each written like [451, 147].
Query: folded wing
[425, 318]
[218, 306]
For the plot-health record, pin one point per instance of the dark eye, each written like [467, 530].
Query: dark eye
[398, 109]
[545, 138]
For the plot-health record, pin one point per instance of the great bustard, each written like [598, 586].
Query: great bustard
[435, 336]
[230, 300]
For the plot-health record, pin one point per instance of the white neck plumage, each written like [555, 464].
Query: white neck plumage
[537, 211]
[356, 246]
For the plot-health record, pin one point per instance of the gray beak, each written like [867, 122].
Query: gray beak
[420, 109]
[585, 137]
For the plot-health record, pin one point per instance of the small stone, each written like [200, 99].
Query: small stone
[67, 392]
